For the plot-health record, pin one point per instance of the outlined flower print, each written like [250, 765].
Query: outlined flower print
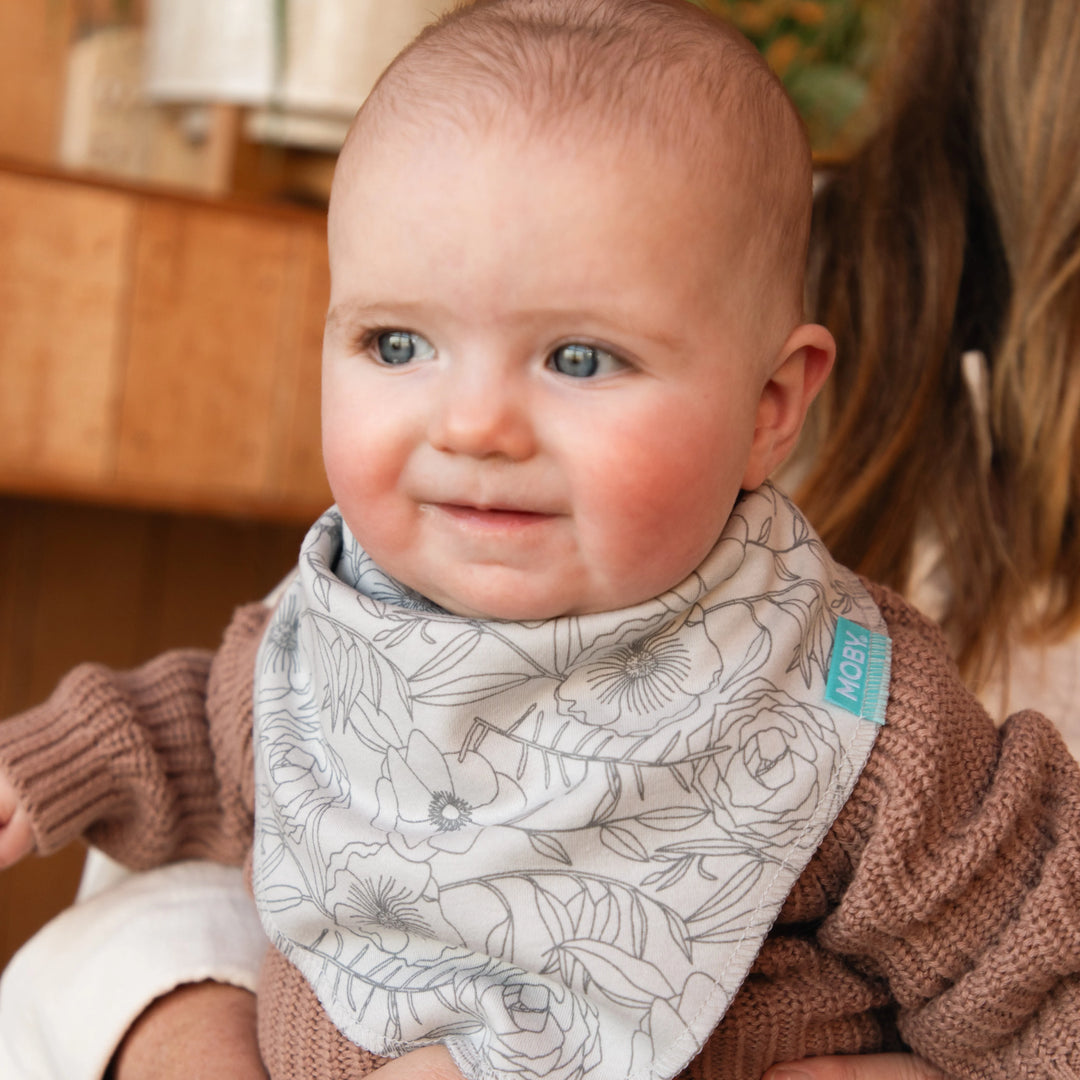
[537, 1029]
[363, 691]
[667, 1019]
[636, 679]
[431, 802]
[392, 902]
[306, 773]
[771, 754]
[357, 569]
[282, 641]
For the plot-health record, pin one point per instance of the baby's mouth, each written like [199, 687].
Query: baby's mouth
[491, 516]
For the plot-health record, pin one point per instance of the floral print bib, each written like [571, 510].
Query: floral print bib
[555, 846]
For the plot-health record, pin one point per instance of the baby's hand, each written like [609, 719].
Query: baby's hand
[16, 836]
[428, 1063]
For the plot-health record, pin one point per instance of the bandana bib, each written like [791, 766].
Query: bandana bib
[554, 846]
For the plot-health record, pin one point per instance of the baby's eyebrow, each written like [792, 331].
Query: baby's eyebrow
[609, 314]
[350, 313]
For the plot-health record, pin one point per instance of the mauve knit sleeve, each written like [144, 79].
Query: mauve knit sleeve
[150, 765]
[965, 896]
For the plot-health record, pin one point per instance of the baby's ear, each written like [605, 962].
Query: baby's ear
[798, 372]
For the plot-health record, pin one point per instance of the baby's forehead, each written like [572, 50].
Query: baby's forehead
[587, 138]
[706, 185]
[709, 179]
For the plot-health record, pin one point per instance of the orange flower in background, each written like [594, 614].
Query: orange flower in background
[752, 17]
[782, 52]
[809, 12]
[824, 52]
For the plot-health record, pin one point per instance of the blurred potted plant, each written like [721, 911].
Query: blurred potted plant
[825, 52]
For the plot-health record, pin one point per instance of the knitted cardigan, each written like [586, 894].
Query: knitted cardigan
[941, 912]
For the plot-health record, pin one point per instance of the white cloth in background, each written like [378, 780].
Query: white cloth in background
[304, 93]
[210, 50]
[226, 50]
[336, 49]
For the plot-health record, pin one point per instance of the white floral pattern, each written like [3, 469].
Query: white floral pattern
[430, 802]
[639, 672]
[555, 846]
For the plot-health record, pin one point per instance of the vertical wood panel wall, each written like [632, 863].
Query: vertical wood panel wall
[114, 586]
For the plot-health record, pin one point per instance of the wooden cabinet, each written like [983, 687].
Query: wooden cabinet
[159, 354]
[160, 350]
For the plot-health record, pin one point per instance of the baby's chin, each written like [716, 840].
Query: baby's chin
[537, 586]
[500, 597]
[502, 609]
[520, 603]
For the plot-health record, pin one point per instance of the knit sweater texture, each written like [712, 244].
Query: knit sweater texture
[941, 912]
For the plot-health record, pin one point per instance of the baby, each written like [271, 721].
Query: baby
[564, 747]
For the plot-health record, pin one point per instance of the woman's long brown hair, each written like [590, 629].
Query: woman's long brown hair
[955, 228]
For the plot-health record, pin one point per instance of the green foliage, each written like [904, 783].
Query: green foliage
[823, 50]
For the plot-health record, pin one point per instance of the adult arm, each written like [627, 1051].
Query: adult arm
[204, 1029]
[871, 1067]
[965, 893]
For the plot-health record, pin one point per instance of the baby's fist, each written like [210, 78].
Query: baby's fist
[16, 836]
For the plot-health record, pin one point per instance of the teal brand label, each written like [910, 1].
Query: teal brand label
[859, 671]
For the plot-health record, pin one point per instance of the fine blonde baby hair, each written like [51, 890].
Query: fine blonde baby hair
[663, 73]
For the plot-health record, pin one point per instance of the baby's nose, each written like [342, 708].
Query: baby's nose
[482, 414]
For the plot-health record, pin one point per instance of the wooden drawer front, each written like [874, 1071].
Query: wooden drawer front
[64, 272]
[160, 351]
[217, 353]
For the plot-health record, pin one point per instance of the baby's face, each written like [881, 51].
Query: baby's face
[537, 399]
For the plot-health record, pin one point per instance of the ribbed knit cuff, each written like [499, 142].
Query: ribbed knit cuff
[82, 756]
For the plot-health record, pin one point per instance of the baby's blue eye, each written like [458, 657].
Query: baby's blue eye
[398, 347]
[583, 361]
